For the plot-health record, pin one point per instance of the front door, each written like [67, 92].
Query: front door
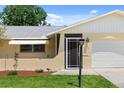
[72, 53]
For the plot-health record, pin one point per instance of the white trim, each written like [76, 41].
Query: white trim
[88, 20]
[66, 53]
[25, 42]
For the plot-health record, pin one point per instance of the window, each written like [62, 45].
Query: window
[32, 48]
[26, 48]
[38, 48]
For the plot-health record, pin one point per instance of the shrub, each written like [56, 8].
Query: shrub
[12, 73]
[48, 69]
[39, 70]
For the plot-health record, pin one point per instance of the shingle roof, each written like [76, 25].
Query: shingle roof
[29, 31]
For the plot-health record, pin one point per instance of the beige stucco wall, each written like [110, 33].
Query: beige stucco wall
[30, 61]
[107, 28]
[98, 37]
[7, 50]
[87, 48]
[87, 53]
[31, 64]
[56, 62]
[104, 36]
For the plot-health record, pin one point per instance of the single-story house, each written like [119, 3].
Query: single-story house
[57, 47]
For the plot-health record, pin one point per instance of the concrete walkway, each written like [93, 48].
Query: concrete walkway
[75, 72]
[115, 75]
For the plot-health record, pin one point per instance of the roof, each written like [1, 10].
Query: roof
[88, 20]
[41, 31]
[30, 31]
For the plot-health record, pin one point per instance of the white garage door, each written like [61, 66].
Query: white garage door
[108, 54]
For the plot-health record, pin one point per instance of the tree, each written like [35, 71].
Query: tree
[23, 15]
[2, 35]
[2, 31]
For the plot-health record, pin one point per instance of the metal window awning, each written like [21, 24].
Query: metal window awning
[29, 42]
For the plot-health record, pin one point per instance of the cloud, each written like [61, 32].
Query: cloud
[93, 11]
[53, 16]
[55, 19]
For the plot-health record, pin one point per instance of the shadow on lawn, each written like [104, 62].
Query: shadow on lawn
[72, 84]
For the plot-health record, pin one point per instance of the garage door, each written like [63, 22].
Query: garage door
[108, 54]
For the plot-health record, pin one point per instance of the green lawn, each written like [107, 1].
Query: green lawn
[54, 81]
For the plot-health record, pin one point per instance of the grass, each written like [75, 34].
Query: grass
[55, 81]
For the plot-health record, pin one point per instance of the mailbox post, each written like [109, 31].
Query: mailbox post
[81, 43]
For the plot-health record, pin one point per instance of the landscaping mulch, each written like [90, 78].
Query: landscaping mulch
[26, 73]
[3, 73]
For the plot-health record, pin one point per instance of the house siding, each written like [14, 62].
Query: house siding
[7, 50]
[112, 23]
[31, 61]
[110, 27]
[100, 29]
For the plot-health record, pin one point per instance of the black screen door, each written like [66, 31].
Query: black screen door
[72, 53]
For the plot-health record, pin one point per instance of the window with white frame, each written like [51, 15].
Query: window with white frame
[32, 48]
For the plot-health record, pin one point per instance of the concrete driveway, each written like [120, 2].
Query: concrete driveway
[114, 75]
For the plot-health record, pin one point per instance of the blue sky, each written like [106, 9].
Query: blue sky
[69, 14]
